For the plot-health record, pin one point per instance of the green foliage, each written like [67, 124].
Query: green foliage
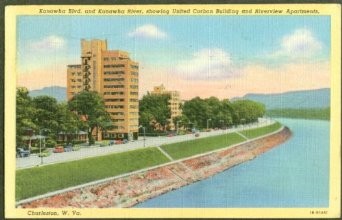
[39, 180]
[45, 153]
[247, 111]
[45, 115]
[90, 107]
[199, 111]
[50, 143]
[202, 145]
[76, 147]
[25, 112]
[305, 113]
[256, 132]
[154, 112]
[102, 143]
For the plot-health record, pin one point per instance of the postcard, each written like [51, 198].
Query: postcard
[179, 111]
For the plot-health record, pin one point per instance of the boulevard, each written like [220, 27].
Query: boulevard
[93, 151]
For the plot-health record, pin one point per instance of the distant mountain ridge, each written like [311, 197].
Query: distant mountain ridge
[319, 98]
[58, 92]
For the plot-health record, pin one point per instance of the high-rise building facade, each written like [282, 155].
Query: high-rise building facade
[115, 77]
[174, 102]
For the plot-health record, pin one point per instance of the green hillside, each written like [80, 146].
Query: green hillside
[305, 113]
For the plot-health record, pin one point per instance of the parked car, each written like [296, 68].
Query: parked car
[58, 149]
[118, 141]
[125, 141]
[68, 148]
[111, 142]
[22, 153]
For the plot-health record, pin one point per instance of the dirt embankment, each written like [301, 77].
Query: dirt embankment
[132, 189]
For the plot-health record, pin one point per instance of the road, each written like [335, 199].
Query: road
[93, 151]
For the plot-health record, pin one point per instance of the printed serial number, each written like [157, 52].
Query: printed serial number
[318, 212]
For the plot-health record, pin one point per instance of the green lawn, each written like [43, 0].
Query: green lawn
[39, 180]
[202, 145]
[253, 133]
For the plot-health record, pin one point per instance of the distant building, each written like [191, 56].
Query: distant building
[174, 103]
[115, 77]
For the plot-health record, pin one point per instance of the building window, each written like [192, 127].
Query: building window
[134, 100]
[113, 93]
[134, 87]
[118, 120]
[114, 79]
[134, 67]
[134, 80]
[114, 72]
[133, 106]
[114, 106]
[117, 113]
[134, 93]
[73, 80]
[114, 100]
[134, 73]
[79, 80]
[106, 59]
[114, 86]
[114, 66]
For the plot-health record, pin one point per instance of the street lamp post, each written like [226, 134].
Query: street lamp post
[144, 133]
[40, 147]
[243, 123]
[40, 144]
[222, 122]
[177, 126]
[208, 123]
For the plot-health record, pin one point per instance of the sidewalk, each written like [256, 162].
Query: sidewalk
[87, 152]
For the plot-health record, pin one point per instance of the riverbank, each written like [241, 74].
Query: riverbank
[127, 191]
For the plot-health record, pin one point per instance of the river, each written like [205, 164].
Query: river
[294, 174]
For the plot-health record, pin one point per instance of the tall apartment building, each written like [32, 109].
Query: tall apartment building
[115, 77]
[174, 103]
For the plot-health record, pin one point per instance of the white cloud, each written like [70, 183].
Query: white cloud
[212, 63]
[148, 31]
[299, 44]
[51, 42]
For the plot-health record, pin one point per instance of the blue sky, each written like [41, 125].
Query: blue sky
[167, 42]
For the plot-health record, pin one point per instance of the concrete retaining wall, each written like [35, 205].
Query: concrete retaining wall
[129, 190]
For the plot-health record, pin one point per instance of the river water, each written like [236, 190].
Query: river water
[294, 174]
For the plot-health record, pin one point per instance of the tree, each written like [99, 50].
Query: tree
[154, 111]
[197, 111]
[247, 111]
[45, 115]
[89, 106]
[183, 121]
[68, 121]
[25, 112]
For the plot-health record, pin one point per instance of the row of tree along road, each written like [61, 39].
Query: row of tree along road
[86, 111]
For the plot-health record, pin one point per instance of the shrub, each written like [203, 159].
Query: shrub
[45, 153]
[76, 147]
[50, 143]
